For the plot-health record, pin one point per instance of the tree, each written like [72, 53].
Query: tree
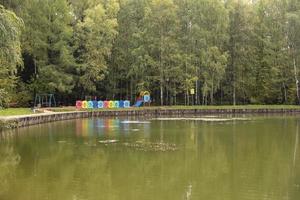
[116, 48]
[10, 51]
[293, 29]
[160, 39]
[202, 27]
[214, 64]
[240, 46]
[272, 64]
[126, 73]
[95, 36]
[47, 46]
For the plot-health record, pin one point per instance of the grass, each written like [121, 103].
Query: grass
[25, 111]
[239, 107]
[15, 111]
[66, 109]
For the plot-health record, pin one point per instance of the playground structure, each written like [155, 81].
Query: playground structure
[143, 99]
[44, 100]
[102, 104]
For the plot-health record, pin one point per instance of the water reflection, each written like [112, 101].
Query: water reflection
[296, 143]
[9, 161]
[234, 161]
[110, 127]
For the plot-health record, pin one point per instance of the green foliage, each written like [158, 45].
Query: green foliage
[10, 53]
[10, 31]
[95, 37]
[54, 61]
[214, 63]
[231, 51]
[4, 99]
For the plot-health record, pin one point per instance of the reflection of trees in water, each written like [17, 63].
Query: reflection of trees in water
[237, 161]
[64, 171]
[263, 161]
[295, 175]
[214, 161]
[210, 169]
[9, 161]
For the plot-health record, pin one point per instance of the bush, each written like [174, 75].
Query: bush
[4, 98]
[21, 99]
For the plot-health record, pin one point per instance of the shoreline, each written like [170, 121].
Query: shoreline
[8, 122]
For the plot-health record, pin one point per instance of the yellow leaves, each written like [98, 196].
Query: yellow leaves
[162, 3]
[98, 30]
[10, 33]
[94, 15]
[112, 8]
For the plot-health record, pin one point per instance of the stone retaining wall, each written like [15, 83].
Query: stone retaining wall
[27, 120]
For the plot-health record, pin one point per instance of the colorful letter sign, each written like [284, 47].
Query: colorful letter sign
[102, 104]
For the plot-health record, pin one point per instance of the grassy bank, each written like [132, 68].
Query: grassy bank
[15, 111]
[11, 118]
[185, 107]
[25, 111]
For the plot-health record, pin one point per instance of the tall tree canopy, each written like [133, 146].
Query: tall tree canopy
[10, 51]
[229, 52]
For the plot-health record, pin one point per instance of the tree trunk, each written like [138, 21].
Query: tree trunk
[131, 93]
[127, 90]
[233, 94]
[167, 97]
[196, 94]
[212, 94]
[188, 97]
[175, 100]
[161, 94]
[161, 69]
[296, 80]
[284, 93]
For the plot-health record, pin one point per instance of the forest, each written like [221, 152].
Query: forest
[228, 51]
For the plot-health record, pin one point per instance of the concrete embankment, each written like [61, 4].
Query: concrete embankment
[27, 120]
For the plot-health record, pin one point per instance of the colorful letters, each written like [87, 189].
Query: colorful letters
[102, 104]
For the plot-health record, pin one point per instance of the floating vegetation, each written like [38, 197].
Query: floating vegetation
[142, 145]
[205, 119]
[108, 126]
[151, 146]
[65, 142]
[135, 122]
[216, 119]
[108, 141]
[90, 144]
[211, 116]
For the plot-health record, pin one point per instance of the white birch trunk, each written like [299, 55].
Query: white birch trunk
[296, 79]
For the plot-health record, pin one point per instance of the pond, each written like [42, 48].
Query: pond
[211, 158]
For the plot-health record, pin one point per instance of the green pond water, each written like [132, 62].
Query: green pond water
[125, 159]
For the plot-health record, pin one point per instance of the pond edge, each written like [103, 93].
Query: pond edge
[33, 119]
